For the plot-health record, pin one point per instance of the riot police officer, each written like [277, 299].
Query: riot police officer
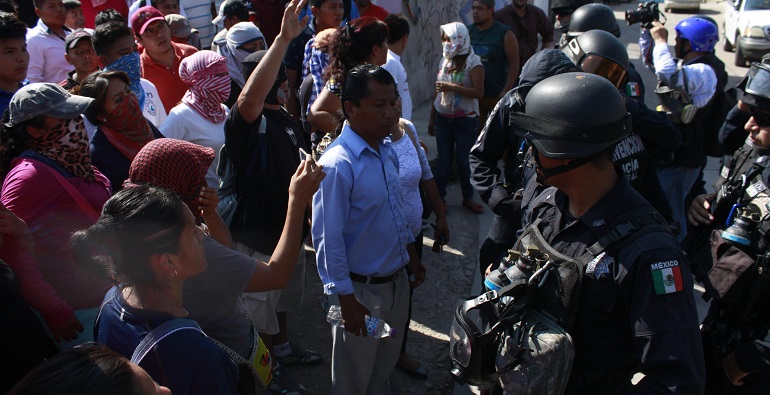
[596, 16]
[736, 332]
[497, 141]
[599, 52]
[636, 311]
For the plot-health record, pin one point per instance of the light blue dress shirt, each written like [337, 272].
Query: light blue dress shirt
[358, 220]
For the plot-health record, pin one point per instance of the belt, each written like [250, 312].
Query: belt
[374, 279]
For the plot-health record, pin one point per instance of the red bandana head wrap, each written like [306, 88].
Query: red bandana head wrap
[205, 72]
[176, 165]
[126, 127]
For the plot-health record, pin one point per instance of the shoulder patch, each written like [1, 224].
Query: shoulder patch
[666, 277]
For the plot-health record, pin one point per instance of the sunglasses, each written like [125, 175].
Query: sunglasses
[762, 118]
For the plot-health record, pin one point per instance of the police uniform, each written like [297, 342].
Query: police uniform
[636, 311]
[727, 329]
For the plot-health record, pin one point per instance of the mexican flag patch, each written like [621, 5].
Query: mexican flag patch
[632, 89]
[667, 277]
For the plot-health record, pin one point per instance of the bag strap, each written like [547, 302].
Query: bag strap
[86, 207]
[628, 226]
[161, 332]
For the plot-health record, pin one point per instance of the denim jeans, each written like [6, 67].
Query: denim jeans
[676, 183]
[454, 139]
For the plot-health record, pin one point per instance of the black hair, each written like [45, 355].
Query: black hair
[108, 15]
[89, 369]
[136, 223]
[352, 44]
[106, 34]
[316, 3]
[14, 140]
[95, 86]
[398, 26]
[71, 4]
[8, 6]
[39, 3]
[356, 85]
[242, 13]
[11, 26]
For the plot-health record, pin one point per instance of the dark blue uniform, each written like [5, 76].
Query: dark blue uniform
[636, 311]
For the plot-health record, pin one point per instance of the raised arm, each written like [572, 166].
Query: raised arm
[252, 97]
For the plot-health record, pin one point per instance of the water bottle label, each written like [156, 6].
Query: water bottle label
[490, 285]
[371, 326]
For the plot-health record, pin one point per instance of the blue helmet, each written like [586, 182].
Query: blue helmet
[702, 34]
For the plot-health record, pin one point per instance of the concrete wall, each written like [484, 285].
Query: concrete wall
[423, 52]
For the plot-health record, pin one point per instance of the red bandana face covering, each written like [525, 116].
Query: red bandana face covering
[205, 73]
[67, 144]
[126, 128]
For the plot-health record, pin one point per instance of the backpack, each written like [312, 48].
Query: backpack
[516, 335]
[231, 187]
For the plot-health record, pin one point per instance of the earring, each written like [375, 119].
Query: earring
[174, 274]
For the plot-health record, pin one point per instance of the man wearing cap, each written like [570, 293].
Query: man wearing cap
[735, 333]
[161, 56]
[527, 22]
[181, 32]
[230, 13]
[499, 52]
[81, 55]
[45, 43]
[636, 309]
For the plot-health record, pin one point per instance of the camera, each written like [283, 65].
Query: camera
[646, 14]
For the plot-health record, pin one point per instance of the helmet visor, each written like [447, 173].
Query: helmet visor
[758, 80]
[596, 64]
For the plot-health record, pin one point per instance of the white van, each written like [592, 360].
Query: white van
[747, 29]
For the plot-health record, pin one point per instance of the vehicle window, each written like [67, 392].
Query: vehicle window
[752, 5]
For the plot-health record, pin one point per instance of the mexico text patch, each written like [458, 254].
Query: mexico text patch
[666, 277]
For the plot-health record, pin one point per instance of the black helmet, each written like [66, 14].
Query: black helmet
[599, 52]
[593, 16]
[573, 116]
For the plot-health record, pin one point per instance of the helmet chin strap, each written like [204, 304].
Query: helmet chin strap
[556, 170]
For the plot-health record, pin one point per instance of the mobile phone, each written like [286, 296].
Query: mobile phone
[305, 156]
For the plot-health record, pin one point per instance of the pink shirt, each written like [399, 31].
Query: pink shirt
[50, 281]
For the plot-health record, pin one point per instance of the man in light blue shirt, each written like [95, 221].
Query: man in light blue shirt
[361, 236]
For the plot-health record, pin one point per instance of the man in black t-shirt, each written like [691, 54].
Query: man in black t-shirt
[272, 153]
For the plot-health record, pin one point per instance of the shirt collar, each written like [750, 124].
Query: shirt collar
[47, 30]
[394, 55]
[354, 142]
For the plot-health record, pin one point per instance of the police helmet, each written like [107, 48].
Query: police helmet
[755, 87]
[599, 52]
[593, 16]
[702, 34]
[564, 120]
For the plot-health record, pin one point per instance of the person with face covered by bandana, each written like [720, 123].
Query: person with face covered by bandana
[117, 51]
[200, 117]
[454, 116]
[242, 40]
[121, 130]
[50, 183]
[257, 225]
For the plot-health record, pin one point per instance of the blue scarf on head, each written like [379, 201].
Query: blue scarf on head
[131, 65]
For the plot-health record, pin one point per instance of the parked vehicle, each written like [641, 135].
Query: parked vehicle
[747, 29]
[692, 5]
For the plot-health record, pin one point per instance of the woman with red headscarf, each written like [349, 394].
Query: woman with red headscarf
[200, 117]
[122, 130]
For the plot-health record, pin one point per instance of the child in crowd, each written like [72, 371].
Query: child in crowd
[15, 59]
[75, 19]
[44, 43]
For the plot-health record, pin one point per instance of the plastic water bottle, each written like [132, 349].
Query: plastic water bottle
[374, 326]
